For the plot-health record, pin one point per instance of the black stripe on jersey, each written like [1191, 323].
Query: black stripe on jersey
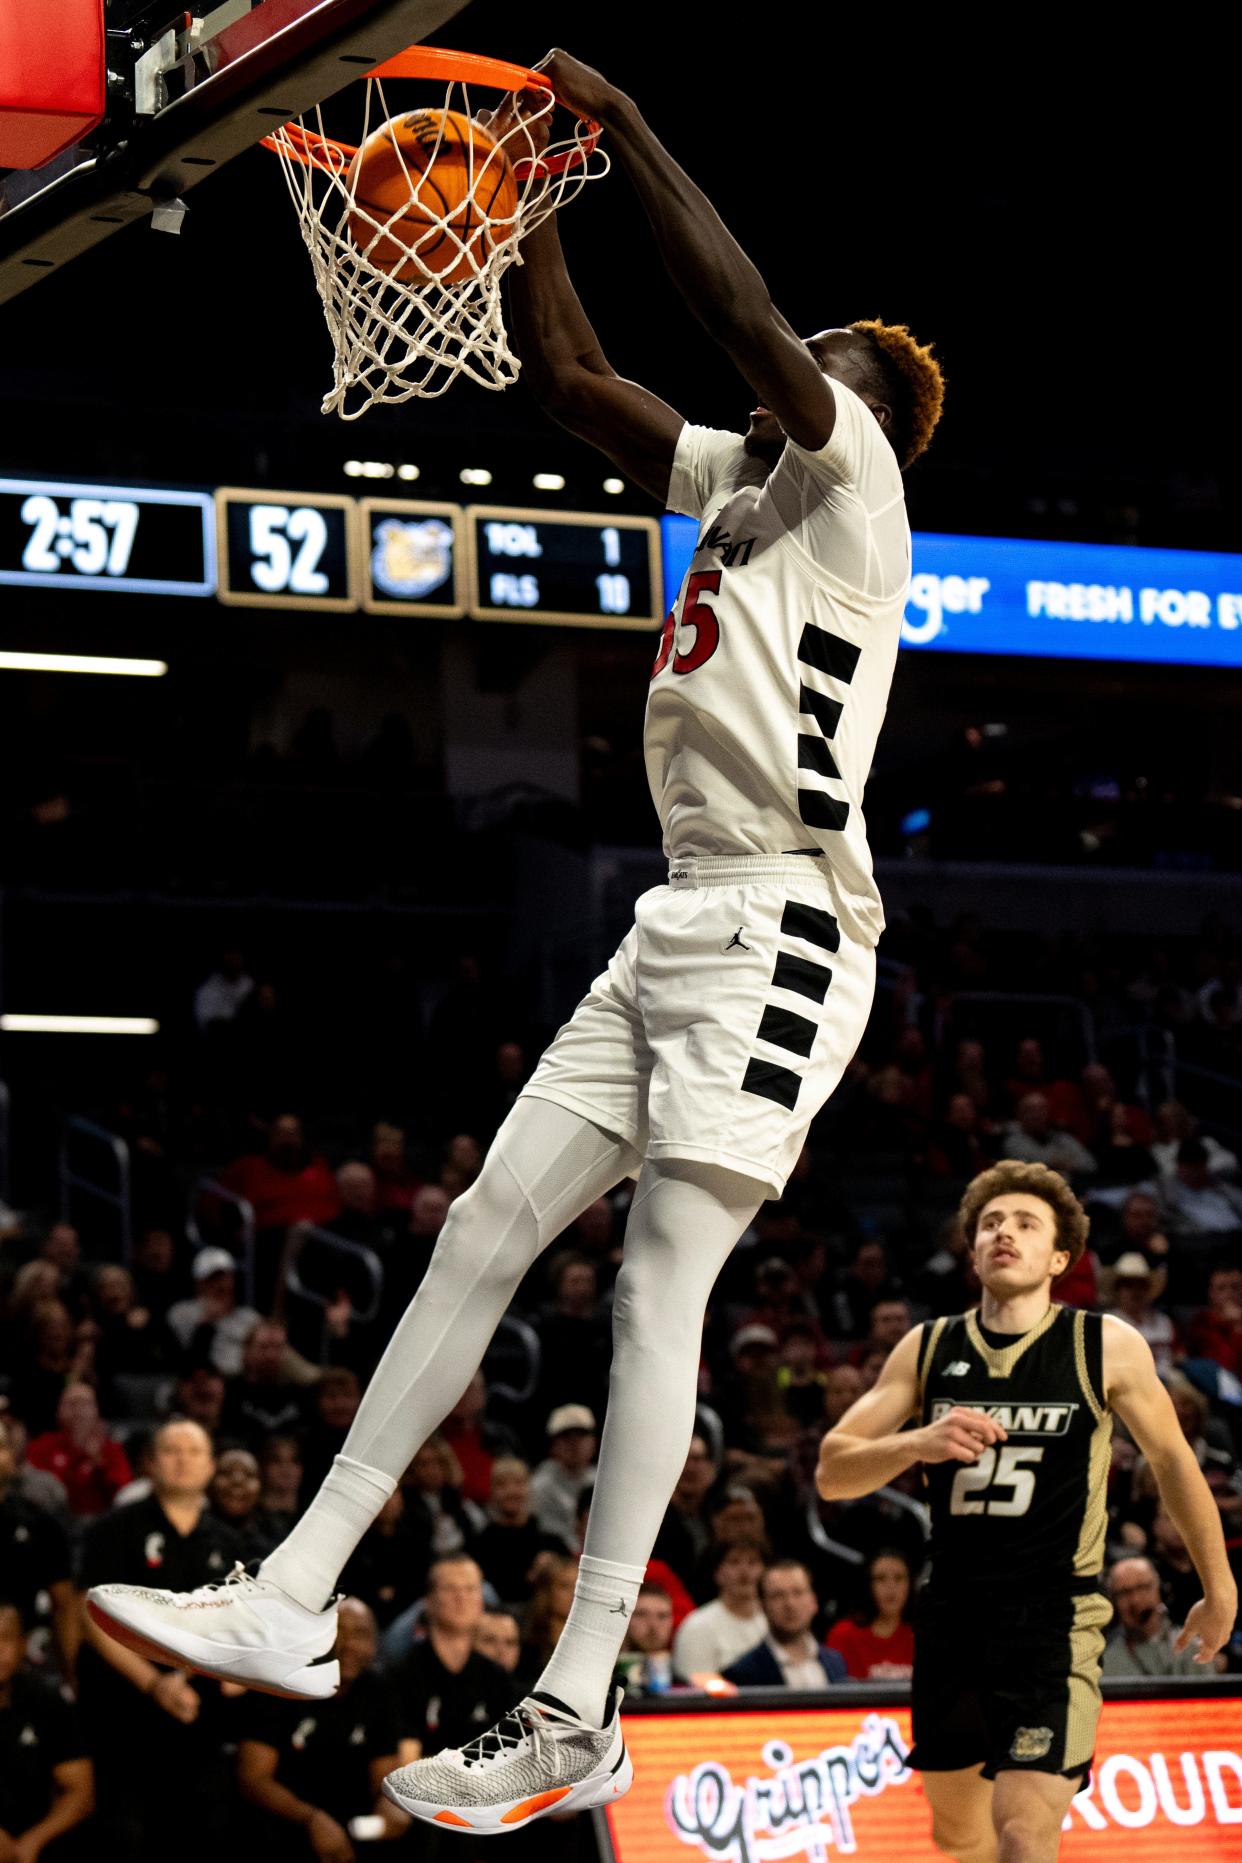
[828, 653]
[825, 711]
[820, 811]
[785, 1029]
[811, 923]
[772, 1082]
[798, 973]
[814, 754]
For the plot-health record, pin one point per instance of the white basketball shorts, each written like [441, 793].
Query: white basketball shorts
[723, 1022]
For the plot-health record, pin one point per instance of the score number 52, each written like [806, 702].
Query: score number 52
[94, 537]
[277, 566]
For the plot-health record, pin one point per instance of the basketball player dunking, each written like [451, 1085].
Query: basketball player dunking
[699, 1057]
[1015, 1403]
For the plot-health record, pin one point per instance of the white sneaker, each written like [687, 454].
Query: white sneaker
[539, 1758]
[245, 1630]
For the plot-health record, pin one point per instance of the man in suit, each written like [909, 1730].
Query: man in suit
[790, 1656]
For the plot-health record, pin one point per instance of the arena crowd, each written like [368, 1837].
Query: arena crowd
[165, 1416]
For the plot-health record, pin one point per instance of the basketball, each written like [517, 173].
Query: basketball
[445, 180]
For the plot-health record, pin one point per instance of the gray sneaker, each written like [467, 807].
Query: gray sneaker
[538, 1758]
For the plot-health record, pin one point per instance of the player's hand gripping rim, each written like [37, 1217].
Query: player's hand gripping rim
[521, 123]
[960, 1436]
[580, 86]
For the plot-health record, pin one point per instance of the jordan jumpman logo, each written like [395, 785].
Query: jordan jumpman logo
[619, 1606]
[737, 940]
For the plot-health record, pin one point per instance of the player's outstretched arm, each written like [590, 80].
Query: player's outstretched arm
[1133, 1389]
[869, 1447]
[572, 379]
[709, 268]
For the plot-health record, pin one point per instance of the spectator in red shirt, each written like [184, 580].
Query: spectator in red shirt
[1030, 1075]
[957, 1148]
[1216, 1330]
[1028, 1070]
[912, 1058]
[474, 1441]
[889, 1322]
[395, 1182]
[289, 1183]
[877, 1642]
[1079, 1286]
[1097, 1115]
[969, 1075]
[82, 1456]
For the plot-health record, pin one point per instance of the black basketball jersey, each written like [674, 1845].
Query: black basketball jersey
[1031, 1511]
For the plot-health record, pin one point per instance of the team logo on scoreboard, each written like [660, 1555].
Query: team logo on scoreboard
[1030, 1743]
[411, 559]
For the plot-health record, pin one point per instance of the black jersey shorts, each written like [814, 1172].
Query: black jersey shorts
[1015, 1685]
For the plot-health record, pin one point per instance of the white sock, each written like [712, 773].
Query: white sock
[580, 1670]
[684, 1222]
[308, 1563]
[544, 1167]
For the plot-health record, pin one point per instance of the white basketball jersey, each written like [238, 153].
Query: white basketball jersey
[773, 673]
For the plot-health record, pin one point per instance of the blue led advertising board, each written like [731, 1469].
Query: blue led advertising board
[1071, 601]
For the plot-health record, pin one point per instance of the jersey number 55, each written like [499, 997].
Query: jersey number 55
[698, 614]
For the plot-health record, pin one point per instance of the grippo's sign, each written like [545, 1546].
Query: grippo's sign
[762, 1785]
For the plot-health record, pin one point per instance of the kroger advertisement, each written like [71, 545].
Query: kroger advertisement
[1072, 601]
[755, 1786]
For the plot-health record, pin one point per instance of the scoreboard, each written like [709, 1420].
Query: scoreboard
[257, 548]
[303, 551]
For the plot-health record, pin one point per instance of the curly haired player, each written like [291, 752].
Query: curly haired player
[698, 1059]
[1015, 1405]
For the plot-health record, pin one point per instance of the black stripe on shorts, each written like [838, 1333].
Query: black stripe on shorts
[784, 1028]
[814, 754]
[811, 923]
[822, 811]
[825, 711]
[798, 973]
[771, 1081]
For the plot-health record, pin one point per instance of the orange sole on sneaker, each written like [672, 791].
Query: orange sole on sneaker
[530, 1806]
[494, 1821]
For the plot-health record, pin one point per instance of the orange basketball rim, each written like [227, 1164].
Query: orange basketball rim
[417, 303]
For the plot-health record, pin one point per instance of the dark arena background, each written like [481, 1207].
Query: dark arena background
[344, 865]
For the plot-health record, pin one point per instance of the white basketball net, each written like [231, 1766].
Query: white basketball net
[397, 338]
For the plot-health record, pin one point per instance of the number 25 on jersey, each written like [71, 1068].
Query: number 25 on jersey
[699, 614]
[991, 1474]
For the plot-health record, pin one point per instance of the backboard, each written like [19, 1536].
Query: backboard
[187, 93]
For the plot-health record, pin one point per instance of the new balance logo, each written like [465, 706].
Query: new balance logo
[958, 1369]
[737, 940]
[619, 1607]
